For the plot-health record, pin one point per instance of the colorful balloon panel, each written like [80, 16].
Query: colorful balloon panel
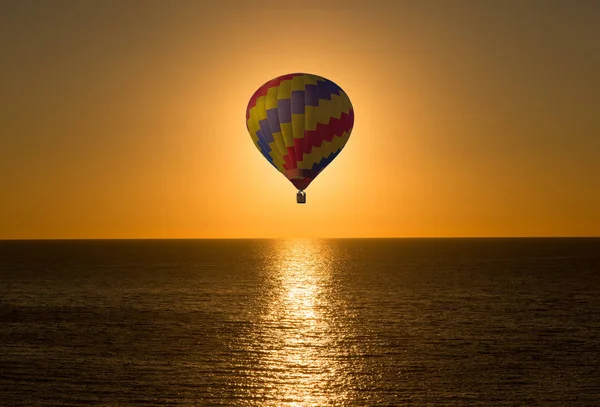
[300, 123]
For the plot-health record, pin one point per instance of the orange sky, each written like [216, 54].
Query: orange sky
[127, 119]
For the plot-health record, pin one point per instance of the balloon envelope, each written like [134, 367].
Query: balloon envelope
[300, 123]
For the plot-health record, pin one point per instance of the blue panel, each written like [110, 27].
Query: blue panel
[311, 95]
[320, 166]
[297, 102]
[327, 88]
[284, 110]
[273, 119]
[266, 131]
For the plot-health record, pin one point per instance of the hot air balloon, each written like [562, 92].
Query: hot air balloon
[300, 122]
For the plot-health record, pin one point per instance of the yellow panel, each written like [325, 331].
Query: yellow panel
[278, 165]
[336, 143]
[280, 143]
[250, 126]
[324, 111]
[304, 164]
[346, 105]
[271, 102]
[298, 125]
[276, 156]
[253, 124]
[288, 134]
[261, 112]
[284, 91]
[275, 152]
[310, 80]
[253, 116]
[311, 117]
[298, 82]
[314, 157]
[336, 106]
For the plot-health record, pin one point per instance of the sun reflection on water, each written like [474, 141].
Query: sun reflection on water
[299, 330]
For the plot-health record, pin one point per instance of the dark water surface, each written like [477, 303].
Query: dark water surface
[432, 322]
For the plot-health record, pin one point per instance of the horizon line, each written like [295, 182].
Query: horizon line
[299, 238]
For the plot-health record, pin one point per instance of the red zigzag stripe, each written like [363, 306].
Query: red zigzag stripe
[323, 132]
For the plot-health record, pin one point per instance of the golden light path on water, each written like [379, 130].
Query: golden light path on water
[300, 330]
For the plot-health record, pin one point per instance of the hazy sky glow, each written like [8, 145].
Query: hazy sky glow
[126, 119]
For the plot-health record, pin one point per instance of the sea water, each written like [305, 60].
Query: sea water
[382, 322]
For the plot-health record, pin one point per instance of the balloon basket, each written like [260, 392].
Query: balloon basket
[301, 197]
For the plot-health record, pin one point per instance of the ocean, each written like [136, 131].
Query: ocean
[338, 322]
